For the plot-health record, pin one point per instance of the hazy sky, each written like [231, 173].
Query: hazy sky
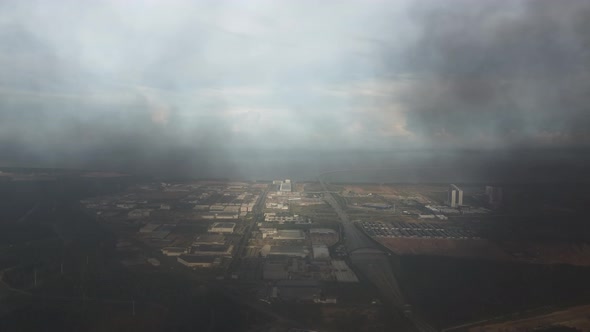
[79, 76]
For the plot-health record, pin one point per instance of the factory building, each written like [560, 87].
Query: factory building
[287, 234]
[455, 196]
[320, 252]
[281, 219]
[212, 250]
[223, 227]
[322, 231]
[174, 251]
[139, 213]
[198, 261]
[209, 239]
[267, 231]
[285, 186]
[288, 251]
[148, 228]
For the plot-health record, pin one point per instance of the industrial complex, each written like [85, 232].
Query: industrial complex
[294, 243]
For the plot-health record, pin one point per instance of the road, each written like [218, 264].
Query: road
[239, 252]
[373, 263]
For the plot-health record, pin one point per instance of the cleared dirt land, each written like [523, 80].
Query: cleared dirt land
[526, 252]
[576, 317]
[444, 247]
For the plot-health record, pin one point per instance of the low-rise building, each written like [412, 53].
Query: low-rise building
[193, 261]
[326, 231]
[426, 216]
[267, 231]
[174, 251]
[139, 213]
[288, 251]
[288, 234]
[148, 228]
[320, 252]
[209, 239]
[223, 227]
[212, 250]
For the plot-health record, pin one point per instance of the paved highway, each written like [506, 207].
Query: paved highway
[372, 262]
[258, 214]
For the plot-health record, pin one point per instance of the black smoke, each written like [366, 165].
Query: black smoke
[500, 73]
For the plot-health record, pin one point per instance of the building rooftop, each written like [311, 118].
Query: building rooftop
[322, 231]
[197, 259]
[288, 251]
[209, 239]
[211, 247]
[224, 225]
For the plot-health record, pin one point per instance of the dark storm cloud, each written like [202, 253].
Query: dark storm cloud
[138, 81]
[500, 73]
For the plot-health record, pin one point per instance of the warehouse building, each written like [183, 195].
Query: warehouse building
[223, 227]
[285, 186]
[148, 228]
[287, 234]
[320, 252]
[198, 261]
[139, 213]
[288, 251]
[281, 219]
[174, 251]
[209, 239]
[212, 250]
[322, 231]
[267, 231]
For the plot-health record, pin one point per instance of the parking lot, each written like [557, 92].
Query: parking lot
[416, 230]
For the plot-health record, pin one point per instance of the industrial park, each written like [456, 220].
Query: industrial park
[284, 243]
[294, 166]
[303, 254]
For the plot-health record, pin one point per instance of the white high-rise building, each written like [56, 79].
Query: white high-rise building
[455, 196]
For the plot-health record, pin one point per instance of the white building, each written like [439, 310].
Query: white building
[284, 219]
[288, 234]
[324, 231]
[174, 251]
[223, 227]
[139, 213]
[209, 239]
[320, 252]
[285, 187]
[288, 251]
[455, 196]
[197, 261]
[148, 228]
[267, 231]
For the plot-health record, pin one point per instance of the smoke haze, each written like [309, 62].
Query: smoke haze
[129, 83]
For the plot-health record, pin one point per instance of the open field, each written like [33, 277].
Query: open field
[577, 318]
[371, 189]
[445, 247]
